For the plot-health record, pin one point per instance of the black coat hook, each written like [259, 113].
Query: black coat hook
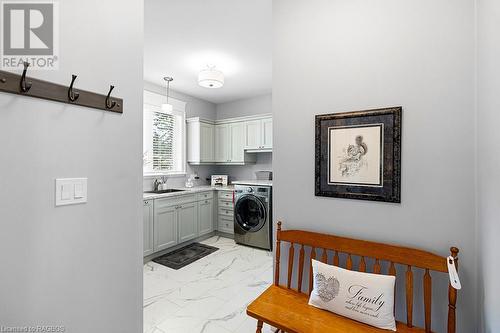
[109, 103]
[73, 96]
[25, 86]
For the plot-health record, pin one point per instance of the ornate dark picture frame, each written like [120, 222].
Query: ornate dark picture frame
[358, 155]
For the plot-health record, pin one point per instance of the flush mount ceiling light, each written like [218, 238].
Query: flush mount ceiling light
[211, 78]
[165, 107]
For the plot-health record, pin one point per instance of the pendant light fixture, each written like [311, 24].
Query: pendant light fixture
[211, 78]
[166, 107]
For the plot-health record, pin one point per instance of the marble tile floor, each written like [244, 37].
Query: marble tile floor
[209, 295]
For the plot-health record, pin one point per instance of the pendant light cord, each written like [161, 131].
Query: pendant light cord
[168, 79]
[168, 89]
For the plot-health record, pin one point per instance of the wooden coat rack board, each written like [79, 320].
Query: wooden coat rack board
[22, 85]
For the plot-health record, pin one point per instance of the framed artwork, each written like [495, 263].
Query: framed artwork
[358, 155]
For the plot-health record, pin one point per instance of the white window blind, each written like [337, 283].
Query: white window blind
[164, 137]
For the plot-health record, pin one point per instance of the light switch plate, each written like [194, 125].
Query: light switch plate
[66, 192]
[79, 193]
[71, 191]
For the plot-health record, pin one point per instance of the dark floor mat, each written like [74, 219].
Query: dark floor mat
[185, 256]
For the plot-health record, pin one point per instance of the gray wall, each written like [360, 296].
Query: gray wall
[488, 164]
[195, 107]
[247, 172]
[336, 55]
[245, 107]
[78, 266]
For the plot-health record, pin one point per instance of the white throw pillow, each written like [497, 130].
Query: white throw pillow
[365, 297]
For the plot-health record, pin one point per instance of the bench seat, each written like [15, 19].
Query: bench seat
[289, 311]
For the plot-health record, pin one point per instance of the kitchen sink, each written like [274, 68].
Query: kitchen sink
[170, 190]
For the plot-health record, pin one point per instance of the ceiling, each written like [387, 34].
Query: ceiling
[182, 37]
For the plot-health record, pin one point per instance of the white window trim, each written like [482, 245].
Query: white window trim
[179, 108]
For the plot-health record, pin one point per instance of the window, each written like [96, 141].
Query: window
[164, 136]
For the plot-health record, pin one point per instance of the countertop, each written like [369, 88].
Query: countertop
[253, 182]
[187, 190]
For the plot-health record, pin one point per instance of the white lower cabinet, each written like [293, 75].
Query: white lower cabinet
[187, 221]
[225, 208]
[147, 220]
[175, 220]
[165, 226]
[205, 216]
[226, 224]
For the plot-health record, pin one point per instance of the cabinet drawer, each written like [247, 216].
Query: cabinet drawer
[175, 200]
[226, 204]
[205, 195]
[226, 224]
[227, 212]
[228, 195]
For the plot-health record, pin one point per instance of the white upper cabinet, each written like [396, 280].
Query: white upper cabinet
[228, 141]
[237, 133]
[267, 135]
[222, 146]
[207, 137]
[200, 141]
[253, 134]
[230, 144]
[259, 135]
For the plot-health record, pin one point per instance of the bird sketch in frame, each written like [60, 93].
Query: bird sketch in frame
[355, 155]
[358, 155]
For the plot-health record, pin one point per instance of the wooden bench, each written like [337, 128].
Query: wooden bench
[287, 309]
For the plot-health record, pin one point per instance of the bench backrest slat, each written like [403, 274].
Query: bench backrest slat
[301, 268]
[409, 296]
[427, 299]
[320, 245]
[291, 259]
[362, 265]
[312, 256]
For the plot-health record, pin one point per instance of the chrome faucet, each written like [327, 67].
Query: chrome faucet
[159, 182]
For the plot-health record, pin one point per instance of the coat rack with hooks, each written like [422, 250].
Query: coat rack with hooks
[25, 86]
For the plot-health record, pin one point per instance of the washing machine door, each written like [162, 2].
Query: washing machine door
[250, 213]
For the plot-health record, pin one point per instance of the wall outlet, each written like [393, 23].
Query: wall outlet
[71, 191]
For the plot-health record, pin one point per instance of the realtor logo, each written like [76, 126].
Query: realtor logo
[30, 33]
